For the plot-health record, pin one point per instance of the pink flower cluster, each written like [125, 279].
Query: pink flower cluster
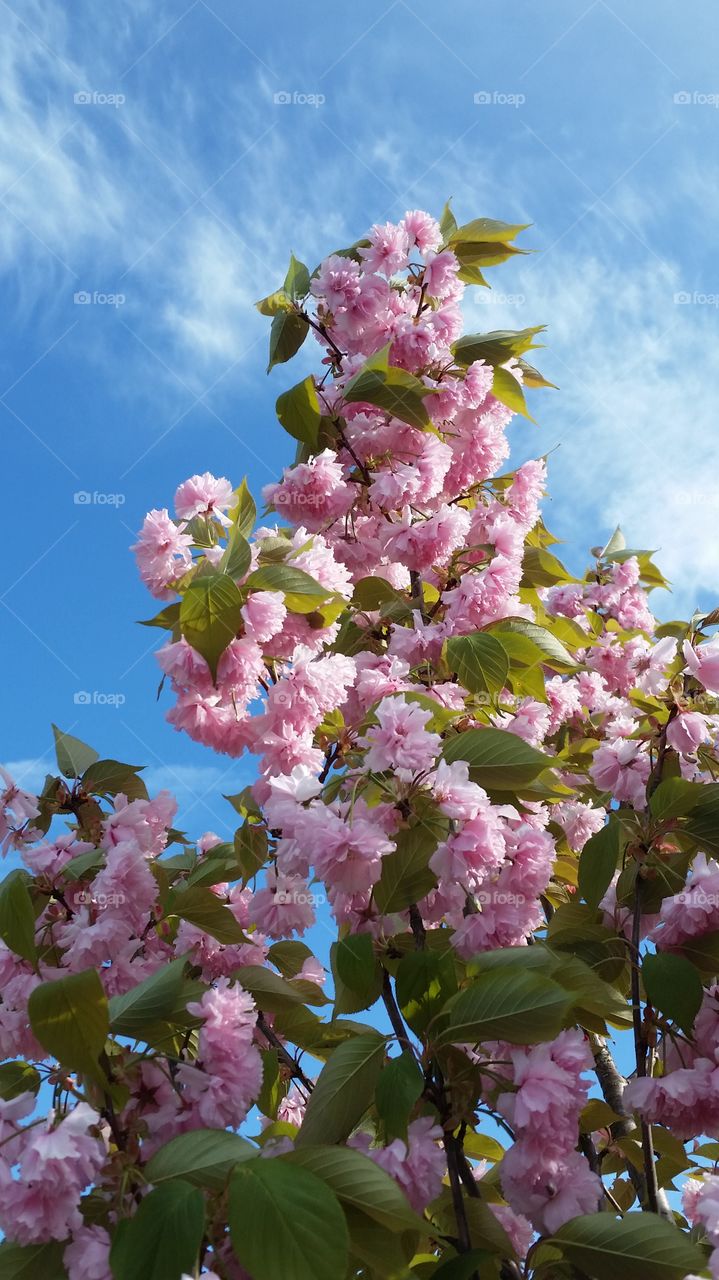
[543, 1176]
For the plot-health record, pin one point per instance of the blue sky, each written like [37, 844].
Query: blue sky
[150, 159]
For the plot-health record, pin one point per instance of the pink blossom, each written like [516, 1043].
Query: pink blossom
[703, 662]
[687, 731]
[204, 495]
[422, 230]
[87, 1257]
[264, 615]
[162, 553]
[230, 1077]
[401, 742]
[56, 1163]
[388, 251]
[418, 1164]
[283, 907]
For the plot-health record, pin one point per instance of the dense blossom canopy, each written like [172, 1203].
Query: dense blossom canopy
[497, 780]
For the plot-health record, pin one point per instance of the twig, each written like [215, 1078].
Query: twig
[291, 1063]
[394, 1014]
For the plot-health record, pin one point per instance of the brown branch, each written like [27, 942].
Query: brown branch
[291, 1063]
[394, 1014]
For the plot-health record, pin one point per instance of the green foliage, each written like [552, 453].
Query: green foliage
[71, 1020]
[210, 616]
[162, 1240]
[497, 759]
[343, 1092]
[285, 1221]
[637, 1247]
[203, 1157]
[390, 388]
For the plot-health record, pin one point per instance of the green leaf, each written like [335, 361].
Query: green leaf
[244, 512]
[523, 1007]
[640, 1246]
[250, 848]
[32, 1261]
[479, 661]
[162, 1241]
[551, 649]
[288, 332]
[157, 999]
[297, 280]
[210, 616]
[465, 1267]
[70, 1019]
[377, 1252]
[358, 1181]
[406, 875]
[302, 593]
[425, 982]
[390, 388]
[16, 1078]
[17, 915]
[73, 756]
[271, 992]
[674, 987]
[541, 569]
[398, 1088]
[508, 390]
[343, 1092]
[111, 777]
[274, 303]
[168, 618]
[496, 758]
[285, 1222]
[485, 229]
[447, 222]
[495, 348]
[203, 1157]
[356, 964]
[237, 556]
[598, 861]
[201, 907]
[675, 798]
[299, 412]
[702, 824]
